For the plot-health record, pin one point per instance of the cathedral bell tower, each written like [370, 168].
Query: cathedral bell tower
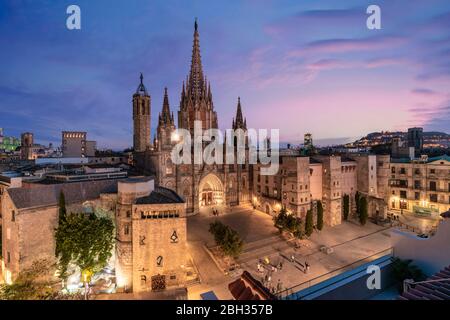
[141, 118]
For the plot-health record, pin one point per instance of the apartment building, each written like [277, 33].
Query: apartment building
[420, 186]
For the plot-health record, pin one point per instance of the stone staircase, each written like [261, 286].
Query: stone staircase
[263, 248]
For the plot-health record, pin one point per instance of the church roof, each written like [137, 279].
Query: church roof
[437, 287]
[160, 196]
[248, 288]
[48, 195]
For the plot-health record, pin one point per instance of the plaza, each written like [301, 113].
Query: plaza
[351, 245]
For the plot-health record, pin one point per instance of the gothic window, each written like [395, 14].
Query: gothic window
[126, 229]
[13, 216]
[169, 166]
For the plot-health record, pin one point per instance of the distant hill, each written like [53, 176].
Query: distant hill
[430, 139]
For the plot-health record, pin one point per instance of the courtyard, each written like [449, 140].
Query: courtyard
[348, 246]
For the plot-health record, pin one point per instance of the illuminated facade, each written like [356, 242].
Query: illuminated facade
[420, 186]
[200, 185]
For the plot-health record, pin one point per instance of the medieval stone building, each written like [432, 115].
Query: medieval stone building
[199, 184]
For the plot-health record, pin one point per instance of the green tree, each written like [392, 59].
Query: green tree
[309, 223]
[288, 222]
[62, 206]
[280, 220]
[404, 269]
[226, 238]
[31, 284]
[346, 206]
[319, 215]
[85, 241]
[232, 244]
[363, 214]
[218, 230]
[357, 203]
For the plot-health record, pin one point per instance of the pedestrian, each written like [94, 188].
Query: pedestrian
[292, 258]
[306, 266]
[279, 287]
[280, 265]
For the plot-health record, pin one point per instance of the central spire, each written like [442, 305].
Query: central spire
[196, 79]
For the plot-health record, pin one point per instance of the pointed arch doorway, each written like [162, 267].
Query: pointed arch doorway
[211, 191]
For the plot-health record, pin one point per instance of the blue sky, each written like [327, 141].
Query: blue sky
[301, 66]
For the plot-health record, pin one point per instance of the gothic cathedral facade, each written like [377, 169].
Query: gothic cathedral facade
[200, 185]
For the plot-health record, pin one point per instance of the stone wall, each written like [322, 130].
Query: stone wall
[159, 245]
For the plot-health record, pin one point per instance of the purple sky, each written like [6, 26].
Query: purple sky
[301, 66]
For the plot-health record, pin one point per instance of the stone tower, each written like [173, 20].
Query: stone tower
[27, 142]
[196, 97]
[141, 118]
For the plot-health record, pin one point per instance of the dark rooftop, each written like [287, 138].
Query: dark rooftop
[159, 196]
[437, 287]
[48, 195]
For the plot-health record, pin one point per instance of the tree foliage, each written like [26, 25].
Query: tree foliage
[62, 206]
[226, 238]
[346, 206]
[319, 215]
[84, 240]
[404, 269]
[363, 214]
[288, 222]
[357, 203]
[309, 223]
[33, 284]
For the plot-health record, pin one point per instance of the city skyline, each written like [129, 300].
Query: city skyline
[387, 79]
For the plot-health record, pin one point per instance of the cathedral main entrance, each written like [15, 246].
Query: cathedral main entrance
[211, 192]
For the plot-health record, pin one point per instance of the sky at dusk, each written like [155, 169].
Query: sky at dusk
[300, 66]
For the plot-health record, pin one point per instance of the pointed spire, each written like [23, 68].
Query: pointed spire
[239, 121]
[239, 117]
[165, 115]
[141, 88]
[196, 79]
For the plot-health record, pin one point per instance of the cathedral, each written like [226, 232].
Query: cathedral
[200, 185]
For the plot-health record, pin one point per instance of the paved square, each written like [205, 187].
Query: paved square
[350, 242]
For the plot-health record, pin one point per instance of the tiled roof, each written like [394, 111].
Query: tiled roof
[443, 157]
[159, 196]
[48, 195]
[248, 288]
[429, 289]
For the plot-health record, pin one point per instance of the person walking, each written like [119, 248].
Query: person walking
[279, 286]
